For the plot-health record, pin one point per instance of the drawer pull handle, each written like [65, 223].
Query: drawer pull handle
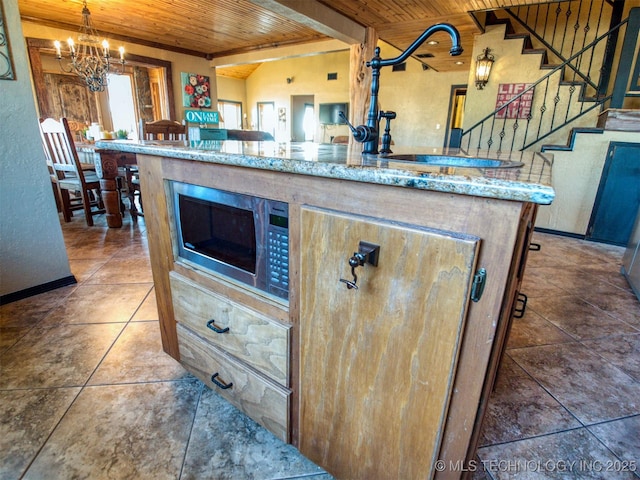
[212, 326]
[223, 386]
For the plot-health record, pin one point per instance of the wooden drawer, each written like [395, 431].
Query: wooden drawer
[247, 334]
[261, 399]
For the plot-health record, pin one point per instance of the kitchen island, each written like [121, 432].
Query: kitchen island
[386, 380]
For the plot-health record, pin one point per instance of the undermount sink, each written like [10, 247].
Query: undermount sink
[447, 161]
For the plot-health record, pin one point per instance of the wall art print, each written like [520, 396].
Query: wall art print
[195, 90]
[521, 108]
[6, 62]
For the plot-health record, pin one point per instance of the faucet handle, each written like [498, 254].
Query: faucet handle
[361, 133]
[386, 138]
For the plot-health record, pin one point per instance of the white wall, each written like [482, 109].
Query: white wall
[32, 250]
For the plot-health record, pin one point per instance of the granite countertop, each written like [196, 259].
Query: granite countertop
[530, 182]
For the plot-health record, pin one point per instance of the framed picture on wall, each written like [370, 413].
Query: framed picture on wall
[6, 61]
[195, 90]
[520, 108]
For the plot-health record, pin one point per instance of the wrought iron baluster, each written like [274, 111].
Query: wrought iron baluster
[502, 133]
[576, 27]
[526, 130]
[490, 141]
[546, 20]
[555, 25]
[543, 107]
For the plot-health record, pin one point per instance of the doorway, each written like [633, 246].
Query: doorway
[121, 104]
[60, 95]
[618, 197]
[267, 117]
[230, 114]
[301, 107]
[456, 111]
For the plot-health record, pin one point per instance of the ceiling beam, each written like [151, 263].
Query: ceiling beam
[317, 16]
[279, 53]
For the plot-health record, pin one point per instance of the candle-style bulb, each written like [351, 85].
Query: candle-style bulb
[105, 48]
[71, 46]
[121, 50]
[56, 44]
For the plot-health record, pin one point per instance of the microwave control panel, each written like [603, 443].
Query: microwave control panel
[278, 249]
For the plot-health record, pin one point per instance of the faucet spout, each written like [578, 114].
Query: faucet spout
[370, 144]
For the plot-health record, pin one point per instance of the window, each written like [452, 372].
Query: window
[121, 104]
[308, 123]
[230, 114]
[267, 117]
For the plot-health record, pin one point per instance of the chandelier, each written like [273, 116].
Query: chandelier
[89, 58]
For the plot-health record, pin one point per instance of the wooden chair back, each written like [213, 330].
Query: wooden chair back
[65, 167]
[59, 148]
[163, 130]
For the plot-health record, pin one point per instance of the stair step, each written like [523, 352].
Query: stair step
[527, 44]
[492, 19]
[625, 120]
[571, 141]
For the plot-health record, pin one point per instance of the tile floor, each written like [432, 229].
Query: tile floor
[86, 391]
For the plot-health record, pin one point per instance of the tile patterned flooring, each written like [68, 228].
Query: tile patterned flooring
[86, 391]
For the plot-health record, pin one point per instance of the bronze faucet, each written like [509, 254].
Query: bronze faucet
[369, 133]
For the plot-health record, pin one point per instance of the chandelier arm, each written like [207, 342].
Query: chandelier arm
[88, 60]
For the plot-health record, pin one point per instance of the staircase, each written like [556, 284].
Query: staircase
[576, 42]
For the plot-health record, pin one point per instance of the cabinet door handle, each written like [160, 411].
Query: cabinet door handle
[367, 253]
[212, 325]
[223, 386]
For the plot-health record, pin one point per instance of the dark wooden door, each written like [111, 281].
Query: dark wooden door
[70, 98]
[618, 196]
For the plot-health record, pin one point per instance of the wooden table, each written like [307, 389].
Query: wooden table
[107, 163]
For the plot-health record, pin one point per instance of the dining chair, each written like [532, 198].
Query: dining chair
[68, 172]
[163, 130]
[157, 130]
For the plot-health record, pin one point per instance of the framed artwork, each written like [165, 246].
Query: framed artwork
[521, 108]
[6, 62]
[195, 90]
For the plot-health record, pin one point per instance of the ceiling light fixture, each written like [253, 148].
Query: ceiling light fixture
[89, 58]
[484, 63]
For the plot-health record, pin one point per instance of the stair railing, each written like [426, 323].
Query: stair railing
[501, 130]
[563, 36]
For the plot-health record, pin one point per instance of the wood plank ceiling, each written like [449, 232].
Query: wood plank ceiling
[216, 29]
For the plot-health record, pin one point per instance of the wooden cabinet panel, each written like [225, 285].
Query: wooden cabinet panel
[252, 337]
[263, 400]
[377, 364]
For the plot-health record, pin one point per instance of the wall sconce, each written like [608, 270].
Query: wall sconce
[484, 63]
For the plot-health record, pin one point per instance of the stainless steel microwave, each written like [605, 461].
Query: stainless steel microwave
[240, 236]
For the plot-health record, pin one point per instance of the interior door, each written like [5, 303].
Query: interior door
[298, 108]
[456, 111]
[618, 197]
[377, 364]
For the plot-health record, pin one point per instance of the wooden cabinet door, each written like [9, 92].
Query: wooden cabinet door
[377, 364]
